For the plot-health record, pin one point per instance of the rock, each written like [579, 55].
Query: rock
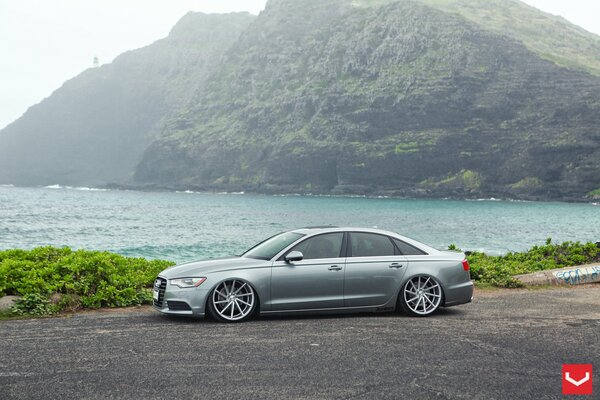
[7, 301]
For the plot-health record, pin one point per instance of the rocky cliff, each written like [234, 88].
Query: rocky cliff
[399, 98]
[460, 98]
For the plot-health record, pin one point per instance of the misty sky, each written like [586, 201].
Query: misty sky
[43, 43]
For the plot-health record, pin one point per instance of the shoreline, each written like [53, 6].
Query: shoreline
[291, 191]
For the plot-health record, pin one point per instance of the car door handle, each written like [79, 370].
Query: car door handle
[396, 265]
[334, 268]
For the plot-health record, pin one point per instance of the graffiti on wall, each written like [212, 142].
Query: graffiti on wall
[579, 275]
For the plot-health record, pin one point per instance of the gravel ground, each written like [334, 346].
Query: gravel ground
[505, 345]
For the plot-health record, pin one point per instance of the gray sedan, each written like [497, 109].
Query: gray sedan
[318, 269]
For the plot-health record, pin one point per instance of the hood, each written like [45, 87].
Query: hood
[201, 268]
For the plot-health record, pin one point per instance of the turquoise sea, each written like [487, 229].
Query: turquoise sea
[187, 226]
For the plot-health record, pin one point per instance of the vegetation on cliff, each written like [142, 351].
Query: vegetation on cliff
[550, 36]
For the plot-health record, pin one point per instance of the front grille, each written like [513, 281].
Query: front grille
[161, 284]
[178, 306]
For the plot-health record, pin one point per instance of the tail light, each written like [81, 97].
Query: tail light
[465, 264]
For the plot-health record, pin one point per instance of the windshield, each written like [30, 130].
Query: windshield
[267, 249]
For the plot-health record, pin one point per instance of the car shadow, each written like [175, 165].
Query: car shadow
[440, 313]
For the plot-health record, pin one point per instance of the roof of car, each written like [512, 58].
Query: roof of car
[331, 228]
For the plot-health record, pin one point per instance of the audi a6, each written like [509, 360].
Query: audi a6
[316, 270]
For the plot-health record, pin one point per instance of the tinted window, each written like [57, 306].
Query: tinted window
[407, 249]
[270, 247]
[371, 245]
[323, 246]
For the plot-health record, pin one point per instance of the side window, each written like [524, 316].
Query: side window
[371, 245]
[407, 249]
[328, 245]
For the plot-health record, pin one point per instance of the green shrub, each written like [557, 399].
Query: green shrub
[82, 279]
[499, 270]
[33, 304]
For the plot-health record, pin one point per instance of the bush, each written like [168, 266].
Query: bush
[33, 304]
[499, 270]
[82, 279]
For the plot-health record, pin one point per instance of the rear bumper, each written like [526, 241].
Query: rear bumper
[459, 294]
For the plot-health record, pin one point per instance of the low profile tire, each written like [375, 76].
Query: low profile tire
[232, 301]
[420, 296]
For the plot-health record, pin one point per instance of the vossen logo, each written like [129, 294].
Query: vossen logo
[577, 379]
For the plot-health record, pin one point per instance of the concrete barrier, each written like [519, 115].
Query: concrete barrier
[576, 275]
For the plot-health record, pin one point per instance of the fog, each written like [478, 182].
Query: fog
[45, 43]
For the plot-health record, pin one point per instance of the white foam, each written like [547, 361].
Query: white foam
[82, 188]
[89, 189]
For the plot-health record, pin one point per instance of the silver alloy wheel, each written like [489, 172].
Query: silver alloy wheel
[233, 300]
[422, 295]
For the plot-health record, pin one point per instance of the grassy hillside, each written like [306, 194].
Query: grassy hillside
[549, 36]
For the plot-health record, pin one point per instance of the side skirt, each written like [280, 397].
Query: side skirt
[339, 310]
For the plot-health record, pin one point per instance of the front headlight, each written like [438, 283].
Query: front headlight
[187, 282]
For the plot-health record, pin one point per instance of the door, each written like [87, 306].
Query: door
[374, 270]
[317, 281]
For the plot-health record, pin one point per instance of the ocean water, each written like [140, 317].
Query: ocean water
[189, 226]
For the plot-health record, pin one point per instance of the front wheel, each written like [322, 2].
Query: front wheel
[232, 301]
[420, 296]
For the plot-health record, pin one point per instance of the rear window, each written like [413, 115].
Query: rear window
[407, 249]
[371, 245]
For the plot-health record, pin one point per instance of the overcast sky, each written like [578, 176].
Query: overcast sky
[45, 42]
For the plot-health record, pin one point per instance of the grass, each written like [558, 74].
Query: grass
[8, 314]
[465, 178]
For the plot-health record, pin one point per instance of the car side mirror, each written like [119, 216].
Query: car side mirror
[294, 256]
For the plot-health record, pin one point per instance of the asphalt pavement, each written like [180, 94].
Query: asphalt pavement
[505, 345]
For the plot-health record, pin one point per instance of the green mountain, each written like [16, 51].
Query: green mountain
[550, 36]
[95, 128]
[464, 98]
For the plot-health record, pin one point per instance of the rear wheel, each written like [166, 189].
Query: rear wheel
[232, 301]
[420, 296]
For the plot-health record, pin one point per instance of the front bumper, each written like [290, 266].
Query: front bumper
[173, 300]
